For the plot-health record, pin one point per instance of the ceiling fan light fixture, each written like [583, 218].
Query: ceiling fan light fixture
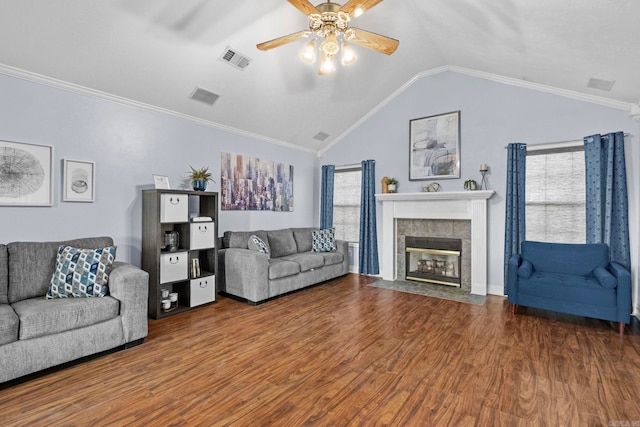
[327, 64]
[308, 54]
[357, 11]
[348, 54]
[330, 45]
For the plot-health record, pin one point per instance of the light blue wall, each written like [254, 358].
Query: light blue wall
[492, 115]
[128, 145]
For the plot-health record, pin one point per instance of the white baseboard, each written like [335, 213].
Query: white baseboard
[495, 290]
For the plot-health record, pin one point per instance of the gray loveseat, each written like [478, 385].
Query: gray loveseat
[38, 333]
[291, 265]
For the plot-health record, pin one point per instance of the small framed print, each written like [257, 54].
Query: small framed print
[161, 182]
[434, 147]
[79, 181]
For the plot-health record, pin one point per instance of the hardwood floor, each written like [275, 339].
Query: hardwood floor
[345, 353]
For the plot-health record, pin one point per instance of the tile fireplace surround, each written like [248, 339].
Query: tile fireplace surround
[463, 205]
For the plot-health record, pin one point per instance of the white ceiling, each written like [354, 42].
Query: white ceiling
[156, 52]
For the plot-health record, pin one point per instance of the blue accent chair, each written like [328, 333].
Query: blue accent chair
[570, 278]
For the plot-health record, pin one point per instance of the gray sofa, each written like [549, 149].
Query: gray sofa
[38, 333]
[291, 265]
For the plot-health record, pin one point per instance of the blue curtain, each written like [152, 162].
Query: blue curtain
[326, 197]
[606, 195]
[514, 228]
[368, 232]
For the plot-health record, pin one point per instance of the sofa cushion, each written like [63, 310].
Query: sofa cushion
[281, 242]
[81, 272]
[40, 317]
[257, 244]
[303, 238]
[565, 258]
[240, 239]
[578, 289]
[331, 258]
[323, 240]
[605, 278]
[307, 261]
[31, 264]
[4, 274]
[8, 324]
[279, 268]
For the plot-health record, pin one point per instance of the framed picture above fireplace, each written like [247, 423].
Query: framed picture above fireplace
[434, 147]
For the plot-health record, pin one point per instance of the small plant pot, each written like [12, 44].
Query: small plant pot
[199, 185]
[391, 188]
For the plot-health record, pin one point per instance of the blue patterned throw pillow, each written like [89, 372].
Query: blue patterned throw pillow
[323, 240]
[257, 244]
[81, 272]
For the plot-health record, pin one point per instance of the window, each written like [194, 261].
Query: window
[555, 195]
[346, 203]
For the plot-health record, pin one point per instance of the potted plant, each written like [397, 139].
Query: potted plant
[200, 177]
[391, 184]
[470, 184]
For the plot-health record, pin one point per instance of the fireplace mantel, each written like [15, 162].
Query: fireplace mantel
[462, 205]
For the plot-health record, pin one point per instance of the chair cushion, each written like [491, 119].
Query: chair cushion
[324, 240]
[9, 324]
[282, 243]
[40, 317]
[605, 278]
[307, 261]
[279, 268]
[81, 272]
[579, 289]
[31, 264]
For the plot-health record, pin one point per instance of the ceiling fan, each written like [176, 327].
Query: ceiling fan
[330, 21]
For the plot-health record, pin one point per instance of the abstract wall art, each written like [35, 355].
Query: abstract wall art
[25, 174]
[255, 184]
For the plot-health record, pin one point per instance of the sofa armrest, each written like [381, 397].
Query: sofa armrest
[130, 285]
[342, 246]
[512, 278]
[623, 291]
[246, 274]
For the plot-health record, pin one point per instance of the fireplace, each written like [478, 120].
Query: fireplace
[433, 260]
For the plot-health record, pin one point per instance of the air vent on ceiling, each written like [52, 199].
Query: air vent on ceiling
[204, 96]
[321, 136]
[235, 58]
[599, 84]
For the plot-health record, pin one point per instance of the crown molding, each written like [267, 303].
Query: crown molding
[82, 90]
[634, 110]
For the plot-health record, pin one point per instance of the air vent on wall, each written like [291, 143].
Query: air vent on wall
[599, 84]
[321, 136]
[204, 96]
[235, 58]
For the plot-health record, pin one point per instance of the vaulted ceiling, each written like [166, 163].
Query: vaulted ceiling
[156, 52]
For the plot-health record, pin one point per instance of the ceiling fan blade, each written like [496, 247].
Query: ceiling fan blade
[373, 41]
[361, 6]
[283, 40]
[304, 6]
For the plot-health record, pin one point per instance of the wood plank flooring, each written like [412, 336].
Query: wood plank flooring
[345, 353]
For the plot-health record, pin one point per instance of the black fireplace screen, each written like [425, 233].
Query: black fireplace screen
[433, 260]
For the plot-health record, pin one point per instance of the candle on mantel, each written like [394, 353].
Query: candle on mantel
[484, 167]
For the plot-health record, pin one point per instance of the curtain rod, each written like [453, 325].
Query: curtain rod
[567, 143]
[349, 167]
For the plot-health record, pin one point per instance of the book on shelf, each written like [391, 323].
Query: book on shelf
[201, 219]
[195, 268]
